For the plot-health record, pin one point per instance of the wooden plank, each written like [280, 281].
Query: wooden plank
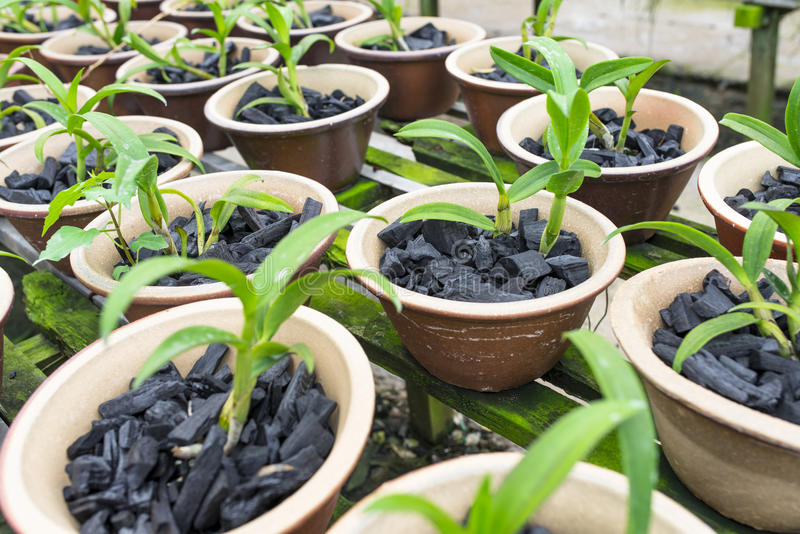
[418, 172]
[428, 417]
[41, 352]
[364, 195]
[16, 390]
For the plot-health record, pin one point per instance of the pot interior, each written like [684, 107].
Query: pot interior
[456, 29]
[745, 169]
[348, 10]
[68, 44]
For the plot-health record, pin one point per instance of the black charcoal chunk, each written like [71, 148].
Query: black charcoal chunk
[683, 317]
[550, 285]
[200, 478]
[667, 338]
[712, 303]
[311, 209]
[444, 235]
[572, 269]
[89, 473]
[202, 418]
[397, 233]
[665, 352]
[140, 460]
[139, 399]
[209, 361]
[308, 431]
[208, 514]
[529, 265]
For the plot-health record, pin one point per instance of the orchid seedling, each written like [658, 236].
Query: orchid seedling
[268, 299]
[301, 18]
[393, 14]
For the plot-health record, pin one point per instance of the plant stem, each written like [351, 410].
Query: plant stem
[551, 231]
[601, 131]
[222, 63]
[298, 91]
[80, 167]
[626, 124]
[303, 13]
[503, 222]
[767, 326]
[122, 243]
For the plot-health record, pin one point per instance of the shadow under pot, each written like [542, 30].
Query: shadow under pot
[6, 303]
[33, 457]
[420, 85]
[28, 219]
[329, 150]
[352, 12]
[185, 101]
[498, 345]
[487, 99]
[591, 499]
[61, 53]
[626, 195]
[740, 167]
[743, 463]
[94, 266]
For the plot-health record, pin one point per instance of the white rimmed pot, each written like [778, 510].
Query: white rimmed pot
[420, 85]
[490, 346]
[29, 218]
[176, 11]
[743, 463]
[626, 195]
[486, 100]
[330, 150]
[33, 456]
[185, 101]
[353, 13]
[144, 9]
[592, 500]
[6, 302]
[723, 175]
[94, 265]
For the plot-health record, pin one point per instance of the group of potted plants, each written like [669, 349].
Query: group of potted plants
[482, 281]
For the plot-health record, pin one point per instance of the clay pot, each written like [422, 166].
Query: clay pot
[591, 500]
[185, 101]
[6, 302]
[743, 463]
[490, 346]
[29, 218]
[723, 175]
[144, 10]
[420, 85]
[33, 456]
[191, 20]
[353, 13]
[331, 150]
[60, 50]
[94, 265]
[486, 100]
[626, 195]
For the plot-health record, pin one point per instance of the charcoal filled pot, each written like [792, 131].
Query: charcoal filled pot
[94, 265]
[490, 346]
[6, 302]
[743, 463]
[626, 195]
[179, 11]
[33, 457]
[29, 218]
[185, 101]
[420, 85]
[486, 100]
[352, 12]
[329, 150]
[591, 500]
[143, 10]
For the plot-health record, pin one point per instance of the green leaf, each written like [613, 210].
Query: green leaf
[767, 136]
[777, 284]
[589, 168]
[701, 334]
[67, 197]
[792, 119]
[445, 211]
[532, 181]
[480, 514]
[259, 200]
[758, 240]
[119, 270]
[65, 240]
[563, 183]
[636, 83]
[263, 100]
[525, 70]
[609, 71]
[561, 65]
[569, 124]
[300, 49]
[143, 47]
[420, 506]
[10, 255]
[302, 350]
[789, 222]
[117, 88]
[767, 305]
[265, 355]
[281, 19]
[54, 110]
[149, 241]
[168, 147]
[47, 77]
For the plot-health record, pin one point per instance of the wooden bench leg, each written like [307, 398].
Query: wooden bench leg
[763, 52]
[429, 8]
[429, 418]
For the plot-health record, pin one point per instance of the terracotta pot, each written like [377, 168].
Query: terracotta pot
[723, 175]
[486, 100]
[353, 13]
[626, 195]
[94, 265]
[29, 218]
[743, 463]
[6, 302]
[60, 50]
[331, 150]
[591, 500]
[420, 85]
[33, 456]
[144, 10]
[190, 19]
[490, 346]
[185, 101]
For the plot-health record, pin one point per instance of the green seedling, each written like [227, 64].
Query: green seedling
[5, 254]
[301, 18]
[393, 14]
[269, 299]
[551, 457]
[14, 14]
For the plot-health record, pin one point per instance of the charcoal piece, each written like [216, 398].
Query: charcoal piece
[700, 367]
[315, 402]
[504, 246]
[781, 191]
[498, 273]
[420, 251]
[683, 317]
[712, 303]
[250, 459]
[15, 180]
[142, 525]
[789, 175]
[25, 196]
[397, 233]
[530, 265]
[208, 514]
[532, 146]
[273, 374]
[643, 142]
[139, 499]
[89, 473]
[527, 217]
[515, 285]
[531, 232]
[666, 337]
[197, 424]
[748, 375]
[111, 450]
[286, 415]
[86, 442]
[254, 90]
[764, 361]
[122, 519]
[768, 180]
[224, 373]
[735, 345]
[209, 361]
[250, 218]
[550, 285]
[166, 412]
[308, 432]
[768, 396]
[85, 507]
[162, 520]
[305, 462]
[311, 209]
[270, 234]
[97, 523]
[269, 436]
[140, 460]
[788, 410]
[665, 352]
[250, 499]
[200, 478]
[443, 235]
[128, 433]
[22, 97]
[137, 400]
[390, 265]
[674, 133]
[572, 269]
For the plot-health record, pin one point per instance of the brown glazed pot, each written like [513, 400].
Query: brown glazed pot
[144, 10]
[94, 265]
[490, 346]
[6, 302]
[353, 13]
[625, 195]
[33, 456]
[185, 101]
[330, 151]
[743, 463]
[591, 500]
[29, 218]
[486, 100]
[723, 175]
[420, 85]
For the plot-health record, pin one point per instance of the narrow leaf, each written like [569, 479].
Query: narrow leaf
[444, 211]
[532, 181]
[65, 240]
[766, 135]
[701, 334]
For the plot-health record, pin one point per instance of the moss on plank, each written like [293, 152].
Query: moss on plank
[26, 378]
[335, 257]
[418, 172]
[364, 195]
[458, 159]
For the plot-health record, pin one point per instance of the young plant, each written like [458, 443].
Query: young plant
[14, 14]
[552, 456]
[268, 300]
[5, 67]
[393, 15]
[279, 26]
[301, 18]
[92, 12]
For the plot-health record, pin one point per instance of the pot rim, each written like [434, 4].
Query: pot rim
[503, 88]
[342, 40]
[166, 6]
[365, 15]
[6, 297]
[691, 157]
[202, 86]
[601, 278]
[757, 425]
[114, 59]
[214, 116]
[355, 424]
[103, 283]
[712, 197]
[109, 15]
